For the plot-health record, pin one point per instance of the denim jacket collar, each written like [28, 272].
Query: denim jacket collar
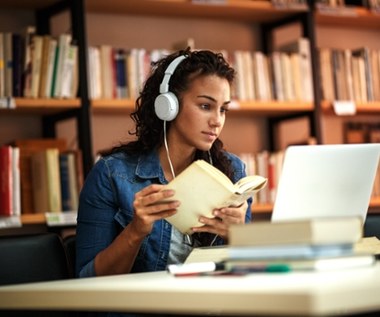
[149, 167]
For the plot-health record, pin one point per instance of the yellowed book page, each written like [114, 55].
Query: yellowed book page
[207, 254]
[368, 244]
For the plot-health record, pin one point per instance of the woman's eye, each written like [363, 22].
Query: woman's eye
[205, 107]
[224, 110]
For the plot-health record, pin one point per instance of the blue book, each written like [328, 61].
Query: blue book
[65, 183]
[121, 73]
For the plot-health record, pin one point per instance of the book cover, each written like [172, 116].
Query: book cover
[16, 181]
[314, 264]
[46, 181]
[27, 148]
[69, 181]
[200, 178]
[302, 47]
[44, 65]
[37, 44]
[6, 181]
[17, 56]
[8, 65]
[311, 231]
[64, 41]
[64, 177]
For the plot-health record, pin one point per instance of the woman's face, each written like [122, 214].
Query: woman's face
[202, 112]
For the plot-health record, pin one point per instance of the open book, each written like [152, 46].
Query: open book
[201, 188]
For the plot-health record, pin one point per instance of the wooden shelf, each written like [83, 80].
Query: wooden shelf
[41, 219]
[42, 106]
[261, 208]
[258, 11]
[355, 17]
[258, 209]
[361, 108]
[27, 5]
[104, 106]
[276, 108]
[33, 219]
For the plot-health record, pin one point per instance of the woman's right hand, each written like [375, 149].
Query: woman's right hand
[149, 207]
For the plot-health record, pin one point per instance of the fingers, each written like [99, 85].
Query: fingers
[224, 217]
[155, 201]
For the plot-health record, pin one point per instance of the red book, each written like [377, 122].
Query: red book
[6, 181]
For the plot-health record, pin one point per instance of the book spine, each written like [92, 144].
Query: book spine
[6, 181]
[64, 178]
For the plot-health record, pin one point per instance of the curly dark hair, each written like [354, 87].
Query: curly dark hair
[149, 128]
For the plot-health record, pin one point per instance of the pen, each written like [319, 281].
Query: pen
[269, 268]
[191, 269]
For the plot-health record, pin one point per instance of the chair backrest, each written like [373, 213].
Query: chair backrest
[32, 258]
[69, 243]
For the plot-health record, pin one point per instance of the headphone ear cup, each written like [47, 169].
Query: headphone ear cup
[166, 106]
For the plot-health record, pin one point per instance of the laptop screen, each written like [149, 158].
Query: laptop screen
[326, 181]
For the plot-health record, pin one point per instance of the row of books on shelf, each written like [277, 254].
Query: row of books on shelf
[350, 74]
[39, 176]
[361, 132]
[42, 175]
[284, 75]
[321, 244]
[37, 66]
[370, 4]
[269, 165]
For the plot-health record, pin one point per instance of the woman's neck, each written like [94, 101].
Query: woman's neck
[178, 158]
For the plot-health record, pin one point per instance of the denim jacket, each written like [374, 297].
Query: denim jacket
[106, 207]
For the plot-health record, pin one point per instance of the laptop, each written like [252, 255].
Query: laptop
[326, 181]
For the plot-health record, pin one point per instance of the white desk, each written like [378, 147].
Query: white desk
[311, 294]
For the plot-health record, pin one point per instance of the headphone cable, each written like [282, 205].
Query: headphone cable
[167, 151]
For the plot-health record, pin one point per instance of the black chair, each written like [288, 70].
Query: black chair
[372, 226]
[69, 243]
[33, 258]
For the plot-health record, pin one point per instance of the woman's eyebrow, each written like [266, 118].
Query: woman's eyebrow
[213, 99]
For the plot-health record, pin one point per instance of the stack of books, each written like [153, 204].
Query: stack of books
[283, 246]
[317, 244]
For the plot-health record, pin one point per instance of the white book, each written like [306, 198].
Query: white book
[239, 66]
[277, 76]
[302, 47]
[68, 71]
[63, 44]
[199, 178]
[94, 70]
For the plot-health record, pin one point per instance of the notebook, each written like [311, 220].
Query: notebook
[326, 181]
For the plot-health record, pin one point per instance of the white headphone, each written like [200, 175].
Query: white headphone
[166, 104]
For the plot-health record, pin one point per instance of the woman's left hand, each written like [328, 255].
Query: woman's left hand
[224, 217]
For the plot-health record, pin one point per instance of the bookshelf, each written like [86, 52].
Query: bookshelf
[259, 17]
[43, 115]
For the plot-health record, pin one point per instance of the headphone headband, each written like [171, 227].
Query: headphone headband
[164, 87]
[166, 103]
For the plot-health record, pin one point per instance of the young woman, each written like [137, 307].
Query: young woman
[179, 116]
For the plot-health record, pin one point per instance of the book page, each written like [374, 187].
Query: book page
[368, 244]
[207, 254]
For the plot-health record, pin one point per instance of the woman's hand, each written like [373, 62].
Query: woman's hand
[224, 217]
[149, 209]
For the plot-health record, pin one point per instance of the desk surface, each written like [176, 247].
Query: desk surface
[295, 293]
